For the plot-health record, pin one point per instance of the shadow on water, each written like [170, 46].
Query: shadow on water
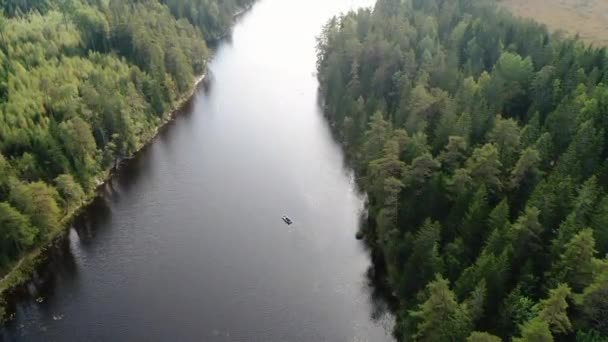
[347, 160]
[381, 298]
[136, 168]
[96, 217]
[59, 265]
[226, 39]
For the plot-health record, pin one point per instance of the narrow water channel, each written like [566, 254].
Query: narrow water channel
[188, 244]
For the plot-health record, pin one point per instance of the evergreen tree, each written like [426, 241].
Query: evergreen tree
[535, 330]
[577, 264]
[424, 261]
[477, 336]
[82, 84]
[553, 310]
[441, 317]
[594, 303]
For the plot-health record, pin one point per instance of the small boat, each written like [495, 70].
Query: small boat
[287, 220]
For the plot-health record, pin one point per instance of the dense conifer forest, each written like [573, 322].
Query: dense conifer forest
[83, 84]
[481, 140]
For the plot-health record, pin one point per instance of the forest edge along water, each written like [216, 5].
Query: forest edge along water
[29, 264]
[480, 139]
[186, 240]
[98, 88]
[14, 281]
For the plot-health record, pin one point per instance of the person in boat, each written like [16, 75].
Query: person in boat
[287, 220]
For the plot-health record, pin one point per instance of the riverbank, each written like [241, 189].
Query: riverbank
[162, 254]
[25, 267]
[23, 270]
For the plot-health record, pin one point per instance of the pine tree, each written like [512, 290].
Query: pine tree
[506, 137]
[16, 231]
[525, 234]
[599, 223]
[485, 167]
[473, 226]
[593, 303]
[553, 310]
[535, 330]
[498, 222]
[424, 261]
[440, 317]
[580, 216]
[477, 336]
[516, 310]
[526, 168]
[576, 265]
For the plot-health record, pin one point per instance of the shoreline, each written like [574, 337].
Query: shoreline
[23, 270]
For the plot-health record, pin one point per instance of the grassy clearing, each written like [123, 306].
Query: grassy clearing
[587, 18]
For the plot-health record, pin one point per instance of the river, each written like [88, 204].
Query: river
[187, 242]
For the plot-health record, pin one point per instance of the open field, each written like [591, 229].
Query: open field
[587, 18]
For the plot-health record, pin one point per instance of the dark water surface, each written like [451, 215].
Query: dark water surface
[187, 244]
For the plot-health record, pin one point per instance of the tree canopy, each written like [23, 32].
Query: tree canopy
[481, 141]
[83, 84]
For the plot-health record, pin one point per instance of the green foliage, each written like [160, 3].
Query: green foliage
[599, 223]
[71, 192]
[484, 167]
[536, 330]
[526, 168]
[440, 316]
[517, 310]
[477, 336]
[82, 85]
[497, 175]
[577, 264]
[212, 17]
[506, 136]
[424, 261]
[590, 336]
[553, 310]
[39, 202]
[16, 232]
[594, 303]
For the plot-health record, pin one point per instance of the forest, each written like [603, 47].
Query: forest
[481, 141]
[82, 85]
